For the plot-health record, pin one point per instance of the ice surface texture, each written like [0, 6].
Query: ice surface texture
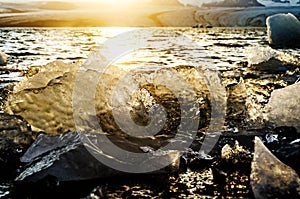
[283, 108]
[45, 100]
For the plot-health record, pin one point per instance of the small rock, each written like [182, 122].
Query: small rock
[235, 154]
[15, 138]
[272, 138]
[283, 30]
[270, 178]
[198, 26]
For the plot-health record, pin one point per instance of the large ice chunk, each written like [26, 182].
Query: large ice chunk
[283, 30]
[48, 102]
[283, 108]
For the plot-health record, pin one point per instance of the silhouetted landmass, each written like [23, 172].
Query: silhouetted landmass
[233, 3]
[157, 13]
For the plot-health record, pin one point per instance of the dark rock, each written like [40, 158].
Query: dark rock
[290, 154]
[15, 138]
[235, 154]
[274, 65]
[286, 146]
[56, 160]
[198, 26]
[270, 178]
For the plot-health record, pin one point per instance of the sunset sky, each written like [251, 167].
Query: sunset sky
[132, 13]
[116, 1]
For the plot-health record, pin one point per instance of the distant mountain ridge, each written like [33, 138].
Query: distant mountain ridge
[279, 3]
[233, 3]
[241, 3]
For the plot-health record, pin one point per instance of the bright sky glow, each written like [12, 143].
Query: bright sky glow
[106, 1]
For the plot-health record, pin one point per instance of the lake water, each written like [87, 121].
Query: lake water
[225, 50]
[223, 47]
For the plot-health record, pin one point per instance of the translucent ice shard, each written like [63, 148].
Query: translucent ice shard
[270, 178]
